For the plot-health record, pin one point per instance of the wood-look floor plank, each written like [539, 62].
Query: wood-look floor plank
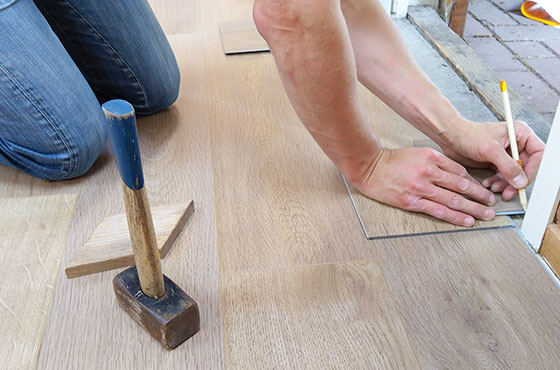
[331, 316]
[279, 200]
[241, 37]
[177, 17]
[477, 300]
[33, 233]
[86, 327]
[379, 219]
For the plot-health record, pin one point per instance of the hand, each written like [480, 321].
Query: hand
[424, 180]
[486, 144]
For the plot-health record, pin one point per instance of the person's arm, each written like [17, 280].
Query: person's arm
[385, 67]
[313, 52]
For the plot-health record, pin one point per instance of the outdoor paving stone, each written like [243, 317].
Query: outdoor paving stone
[520, 33]
[495, 54]
[529, 49]
[548, 68]
[489, 14]
[474, 28]
[509, 5]
[549, 117]
[554, 45]
[532, 89]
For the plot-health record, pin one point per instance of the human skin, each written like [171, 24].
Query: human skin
[323, 48]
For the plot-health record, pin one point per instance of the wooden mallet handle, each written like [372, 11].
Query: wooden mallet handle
[124, 139]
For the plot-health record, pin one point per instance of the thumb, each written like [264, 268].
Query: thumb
[508, 167]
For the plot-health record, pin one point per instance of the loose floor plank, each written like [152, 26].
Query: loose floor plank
[502, 207]
[241, 37]
[86, 327]
[33, 233]
[477, 300]
[381, 220]
[332, 316]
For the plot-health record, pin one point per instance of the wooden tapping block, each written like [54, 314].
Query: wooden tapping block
[550, 249]
[109, 246]
[151, 299]
[502, 207]
[241, 37]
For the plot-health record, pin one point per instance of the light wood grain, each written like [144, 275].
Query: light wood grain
[177, 17]
[477, 300]
[109, 246]
[86, 328]
[334, 316]
[33, 233]
[279, 200]
[502, 207]
[241, 37]
[550, 249]
[381, 220]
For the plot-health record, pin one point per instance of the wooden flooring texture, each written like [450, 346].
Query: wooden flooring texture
[274, 254]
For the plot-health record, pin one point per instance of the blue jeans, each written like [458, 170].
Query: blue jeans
[59, 59]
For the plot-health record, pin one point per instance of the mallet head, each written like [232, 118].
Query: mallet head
[171, 319]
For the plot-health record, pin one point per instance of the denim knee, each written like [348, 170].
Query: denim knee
[161, 89]
[84, 144]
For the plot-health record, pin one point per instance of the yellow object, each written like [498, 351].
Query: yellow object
[503, 85]
[532, 10]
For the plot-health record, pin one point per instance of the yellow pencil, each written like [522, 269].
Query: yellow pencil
[512, 138]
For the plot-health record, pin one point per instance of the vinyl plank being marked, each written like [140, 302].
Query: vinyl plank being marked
[502, 207]
[331, 316]
[33, 233]
[241, 37]
[381, 220]
[477, 300]
[86, 326]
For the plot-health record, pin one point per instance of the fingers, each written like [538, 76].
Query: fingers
[441, 212]
[459, 203]
[462, 185]
[509, 168]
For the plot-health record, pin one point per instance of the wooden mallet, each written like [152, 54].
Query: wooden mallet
[152, 299]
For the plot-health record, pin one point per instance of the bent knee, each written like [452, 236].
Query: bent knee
[161, 90]
[70, 156]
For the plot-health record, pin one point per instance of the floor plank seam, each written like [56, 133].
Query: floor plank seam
[383, 237]
[355, 208]
[440, 232]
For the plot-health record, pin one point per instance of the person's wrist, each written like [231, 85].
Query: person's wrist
[454, 129]
[359, 169]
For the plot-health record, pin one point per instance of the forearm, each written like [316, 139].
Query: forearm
[386, 68]
[313, 53]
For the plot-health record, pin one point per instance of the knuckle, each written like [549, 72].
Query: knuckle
[455, 201]
[431, 154]
[416, 186]
[407, 201]
[439, 212]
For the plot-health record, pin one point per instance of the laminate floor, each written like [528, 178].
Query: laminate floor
[476, 300]
[33, 234]
[274, 254]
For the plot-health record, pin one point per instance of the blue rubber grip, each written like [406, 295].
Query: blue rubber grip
[124, 138]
